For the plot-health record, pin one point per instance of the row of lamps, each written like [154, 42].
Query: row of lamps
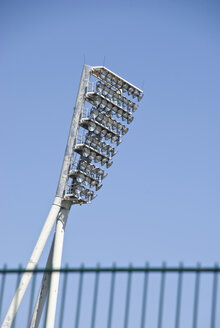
[113, 102]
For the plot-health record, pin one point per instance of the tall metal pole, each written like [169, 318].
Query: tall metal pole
[58, 203]
[64, 175]
[19, 294]
[43, 291]
[62, 218]
[56, 264]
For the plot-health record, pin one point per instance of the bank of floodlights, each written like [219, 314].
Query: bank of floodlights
[112, 102]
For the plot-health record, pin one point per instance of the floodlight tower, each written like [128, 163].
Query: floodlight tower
[104, 107]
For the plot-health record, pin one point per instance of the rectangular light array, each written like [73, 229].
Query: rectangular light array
[106, 123]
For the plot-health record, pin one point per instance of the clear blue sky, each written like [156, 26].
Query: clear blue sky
[160, 200]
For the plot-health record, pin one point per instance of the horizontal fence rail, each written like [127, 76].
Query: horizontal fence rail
[128, 297]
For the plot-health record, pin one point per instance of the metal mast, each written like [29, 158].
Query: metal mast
[93, 131]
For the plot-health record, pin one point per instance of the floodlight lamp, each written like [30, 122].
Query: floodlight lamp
[119, 85]
[99, 171]
[84, 192]
[98, 158]
[107, 120]
[90, 167]
[108, 164]
[130, 119]
[124, 131]
[80, 178]
[110, 149]
[93, 183]
[97, 100]
[125, 87]
[89, 137]
[98, 187]
[97, 129]
[103, 104]
[140, 96]
[90, 192]
[76, 189]
[93, 196]
[119, 127]
[87, 181]
[91, 126]
[104, 160]
[125, 101]
[130, 105]
[92, 155]
[99, 118]
[82, 165]
[104, 146]
[124, 116]
[124, 104]
[114, 80]
[136, 93]
[99, 87]
[87, 141]
[134, 108]
[130, 90]
[114, 126]
[109, 107]
[119, 113]
[119, 102]
[105, 91]
[114, 109]
[114, 98]
[94, 113]
[114, 152]
[103, 133]
[108, 136]
[114, 138]
[108, 78]
[103, 74]
[94, 143]
[85, 152]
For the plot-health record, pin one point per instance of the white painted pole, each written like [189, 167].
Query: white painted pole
[19, 294]
[42, 295]
[59, 199]
[56, 264]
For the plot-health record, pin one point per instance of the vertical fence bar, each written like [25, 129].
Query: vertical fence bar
[111, 299]
[196, 297]
[144, 299]
[16, 299]
[31, 303]
[63, 298]
[162, 289]
[79, 297]
[2, 288]
[214, 297]
[128, 295]
[178, 296]
[95, 297]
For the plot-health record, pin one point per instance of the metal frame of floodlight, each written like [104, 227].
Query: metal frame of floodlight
[79, 175]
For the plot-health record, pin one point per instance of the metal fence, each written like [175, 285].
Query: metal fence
[113, 297]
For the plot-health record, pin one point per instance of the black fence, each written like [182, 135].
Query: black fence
[113, 297]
